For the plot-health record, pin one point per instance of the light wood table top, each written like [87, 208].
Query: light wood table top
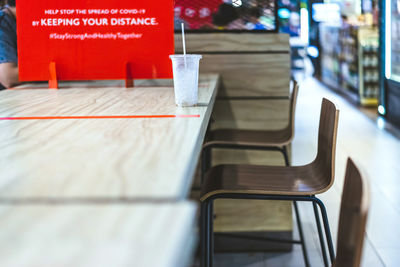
[101, 159]
[120, 235]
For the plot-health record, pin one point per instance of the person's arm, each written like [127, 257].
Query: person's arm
[8, 49]
[9, 74]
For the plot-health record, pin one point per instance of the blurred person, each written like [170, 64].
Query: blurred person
[8, 46]
[228, 18]
[254, 23]
[314, 49]
[178, 20]
[294, 23]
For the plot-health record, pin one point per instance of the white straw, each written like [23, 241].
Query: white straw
[184, 43]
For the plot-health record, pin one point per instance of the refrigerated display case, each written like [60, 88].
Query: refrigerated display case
[390, 61]
[393, 42]
[330, 54]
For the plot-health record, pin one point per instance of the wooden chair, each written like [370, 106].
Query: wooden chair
[275, 140]
[353, 218]
[299, 183]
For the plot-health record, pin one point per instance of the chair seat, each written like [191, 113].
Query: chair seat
[267, 180]
[258, 138]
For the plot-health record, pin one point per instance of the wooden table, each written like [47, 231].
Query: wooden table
[111, 235]
[105, 187]
[134, 159]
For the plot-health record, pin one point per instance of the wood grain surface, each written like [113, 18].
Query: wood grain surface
[101, 158]
[238, 215]
[250, 64]
[252, 75]
[258, 114]
[232, 42]
[144, 235]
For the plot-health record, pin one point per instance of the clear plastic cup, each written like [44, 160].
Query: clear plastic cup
[186, 79]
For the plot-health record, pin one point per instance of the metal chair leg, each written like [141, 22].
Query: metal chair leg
[211, 233]
[285, 155]
[327, 229]
[297, 213]
[320, 235]
[203, 234]
[301, 234]
[208, 236]
[205, 162]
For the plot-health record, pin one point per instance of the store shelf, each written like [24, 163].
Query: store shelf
[350, 59]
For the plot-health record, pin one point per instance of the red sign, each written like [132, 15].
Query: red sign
[95, 39]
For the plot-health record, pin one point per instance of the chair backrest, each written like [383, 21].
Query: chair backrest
[292, 107]
[353, 218]
[324, 163]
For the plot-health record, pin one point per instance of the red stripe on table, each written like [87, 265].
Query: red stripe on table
[98, 117]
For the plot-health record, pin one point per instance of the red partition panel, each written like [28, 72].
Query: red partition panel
[95, 39]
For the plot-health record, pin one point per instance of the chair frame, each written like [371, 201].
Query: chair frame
[207, 238]
[355, 182]
[282, 148]
[208, 198]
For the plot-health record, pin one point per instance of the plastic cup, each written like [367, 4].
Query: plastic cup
[186, 79]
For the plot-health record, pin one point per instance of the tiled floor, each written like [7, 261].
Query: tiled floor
[376, 150]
